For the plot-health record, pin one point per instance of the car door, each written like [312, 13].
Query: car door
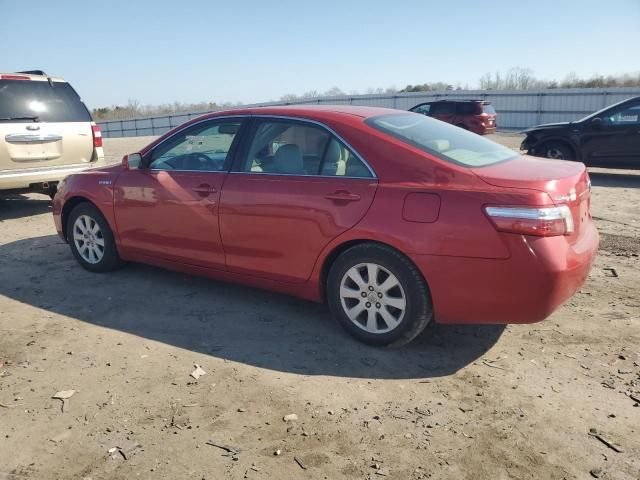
[613, 138]
[168, 209]
[293, 189]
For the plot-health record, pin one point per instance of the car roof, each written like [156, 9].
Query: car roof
[321, 113]
[310, 111]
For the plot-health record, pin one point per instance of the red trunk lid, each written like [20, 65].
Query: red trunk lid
[565, 182]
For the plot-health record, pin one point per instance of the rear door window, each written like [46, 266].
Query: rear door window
[339, 161]
[26, 100]
[443, 108]
[284, 147]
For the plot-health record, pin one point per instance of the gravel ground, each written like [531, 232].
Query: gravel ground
[461, 402]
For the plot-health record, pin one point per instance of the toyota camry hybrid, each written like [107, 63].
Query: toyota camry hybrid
[392, 218]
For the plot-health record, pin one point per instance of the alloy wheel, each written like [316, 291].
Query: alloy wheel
[555, 153]
[373, 298]
[88, 239]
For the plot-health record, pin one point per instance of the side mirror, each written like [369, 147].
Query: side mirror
[597, 123]
[132, 161]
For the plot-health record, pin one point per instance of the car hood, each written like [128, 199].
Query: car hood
[546, 126]
[556, 177]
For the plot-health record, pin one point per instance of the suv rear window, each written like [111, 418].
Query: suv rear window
[29, 98]
[488, 108]
[442, 140]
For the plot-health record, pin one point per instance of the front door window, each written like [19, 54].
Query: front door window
[202, 147]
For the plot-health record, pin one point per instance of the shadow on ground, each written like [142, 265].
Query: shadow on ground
[228, 321]
[19, 206]
[609, 179]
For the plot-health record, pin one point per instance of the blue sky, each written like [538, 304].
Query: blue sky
[249, 51]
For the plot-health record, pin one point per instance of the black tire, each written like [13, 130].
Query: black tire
[555, 151]
[417, 313]
[110, 259]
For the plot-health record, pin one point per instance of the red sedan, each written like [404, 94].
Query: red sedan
[392, 218]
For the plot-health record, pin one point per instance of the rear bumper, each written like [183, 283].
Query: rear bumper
[25, 178]
[484, 130]
[540, 275]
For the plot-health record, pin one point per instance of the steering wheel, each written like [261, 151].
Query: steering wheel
[206, 160]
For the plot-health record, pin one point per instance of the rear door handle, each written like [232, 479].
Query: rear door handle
[343, 196]
[204, 190]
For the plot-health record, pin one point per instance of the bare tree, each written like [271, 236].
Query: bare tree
[334, 92]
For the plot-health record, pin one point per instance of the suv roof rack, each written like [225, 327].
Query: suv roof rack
[34, 72]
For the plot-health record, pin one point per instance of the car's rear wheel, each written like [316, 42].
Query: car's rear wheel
[378, 295]
[556, 151]
[91, 239]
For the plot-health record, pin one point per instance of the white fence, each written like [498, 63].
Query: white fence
[516, 109]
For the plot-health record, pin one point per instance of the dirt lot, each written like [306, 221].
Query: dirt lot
[459, 403]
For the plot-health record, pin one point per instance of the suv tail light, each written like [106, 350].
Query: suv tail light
[539, 221]
[97, 135]
[14, 77]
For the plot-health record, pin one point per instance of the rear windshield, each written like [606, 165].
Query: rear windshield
[452, 144]
[22, 100]
[488, 108]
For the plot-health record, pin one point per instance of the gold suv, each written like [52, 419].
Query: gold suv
[46, 133]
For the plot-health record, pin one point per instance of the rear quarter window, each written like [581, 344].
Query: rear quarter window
[442, 140]
[49, 102]
[488, 108]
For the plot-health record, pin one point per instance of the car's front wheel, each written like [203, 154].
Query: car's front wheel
[91, 239]
[556, 151]
[378, 295]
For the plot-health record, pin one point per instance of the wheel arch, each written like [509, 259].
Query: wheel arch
[337, 250]
[68, 207]
[562, 140]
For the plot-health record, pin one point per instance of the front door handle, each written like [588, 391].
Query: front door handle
[343, 196]
[204, 190]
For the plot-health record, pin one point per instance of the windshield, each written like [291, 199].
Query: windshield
[449, 143]
[28, 100]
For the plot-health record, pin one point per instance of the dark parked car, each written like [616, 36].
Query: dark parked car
[477, 116]
[607, 138]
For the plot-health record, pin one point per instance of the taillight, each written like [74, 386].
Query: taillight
[14, 77]
[97, 135]
[539, 221]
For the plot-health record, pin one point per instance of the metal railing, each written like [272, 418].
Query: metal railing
[516, 109]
